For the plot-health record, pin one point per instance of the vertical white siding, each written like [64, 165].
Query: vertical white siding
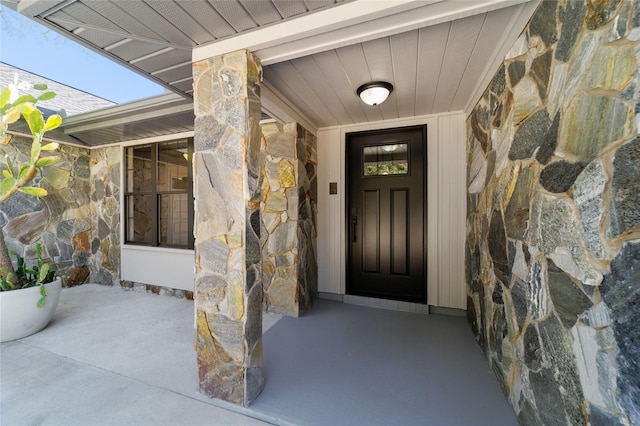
[446, 206]
[433, 179]
[451, 212]
[330, 215]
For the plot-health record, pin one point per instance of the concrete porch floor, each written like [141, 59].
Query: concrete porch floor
[115, 357]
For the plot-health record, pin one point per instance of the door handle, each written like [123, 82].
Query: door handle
[354, 224]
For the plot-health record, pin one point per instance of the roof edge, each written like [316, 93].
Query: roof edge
[150, 103]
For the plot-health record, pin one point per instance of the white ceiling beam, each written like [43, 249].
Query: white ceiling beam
[323, 21]
[425, 16]
[345, 24]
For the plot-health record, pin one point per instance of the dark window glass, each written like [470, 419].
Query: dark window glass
[139, 218]
[173, 220]
[139, 168]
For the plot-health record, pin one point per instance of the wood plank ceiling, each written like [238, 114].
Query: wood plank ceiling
[434, 68]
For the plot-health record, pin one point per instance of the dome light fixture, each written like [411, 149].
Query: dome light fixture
[374, 93]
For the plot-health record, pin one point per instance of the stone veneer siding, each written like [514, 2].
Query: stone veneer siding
[105, 217]
[288, 229]
[228, 284]
[553, 219]
[78, 222]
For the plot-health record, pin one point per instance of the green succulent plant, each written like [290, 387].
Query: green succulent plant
[16, 178]
[38, 274]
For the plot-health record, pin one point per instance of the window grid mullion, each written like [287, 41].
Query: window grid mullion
[191, 198]
[154, 183]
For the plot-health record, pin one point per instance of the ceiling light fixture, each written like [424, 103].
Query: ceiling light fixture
[374, 93]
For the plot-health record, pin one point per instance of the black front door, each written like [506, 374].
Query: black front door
[386, 214]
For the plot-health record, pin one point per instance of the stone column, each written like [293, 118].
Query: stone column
[289, 194]
[228, 287]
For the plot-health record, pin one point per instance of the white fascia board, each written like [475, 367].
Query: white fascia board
[339, 16]
[147, 115]
[128, 107]
[152, 139]
[49, 139]
[350, 23]
[425, 16]
[134, 116]
[33, 8]
[161, 105]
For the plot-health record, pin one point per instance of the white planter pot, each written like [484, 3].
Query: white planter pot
[19, 314]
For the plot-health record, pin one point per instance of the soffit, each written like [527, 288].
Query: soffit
[153, 117]
[168, 114]
[156, 37]
[438, 54]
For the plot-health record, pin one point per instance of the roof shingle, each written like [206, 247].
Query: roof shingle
[68, 101]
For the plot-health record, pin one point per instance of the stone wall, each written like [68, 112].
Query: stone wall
[288, 229]
[105, 215]
[553, 219]
[77, 223]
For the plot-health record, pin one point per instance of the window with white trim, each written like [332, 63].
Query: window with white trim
[159, 194]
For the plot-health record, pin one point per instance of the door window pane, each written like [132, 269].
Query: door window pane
[383, 160]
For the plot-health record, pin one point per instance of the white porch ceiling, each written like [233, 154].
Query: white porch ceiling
[438, 54]
[433, 69]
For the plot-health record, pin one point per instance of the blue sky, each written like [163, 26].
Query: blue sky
[30, 46]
